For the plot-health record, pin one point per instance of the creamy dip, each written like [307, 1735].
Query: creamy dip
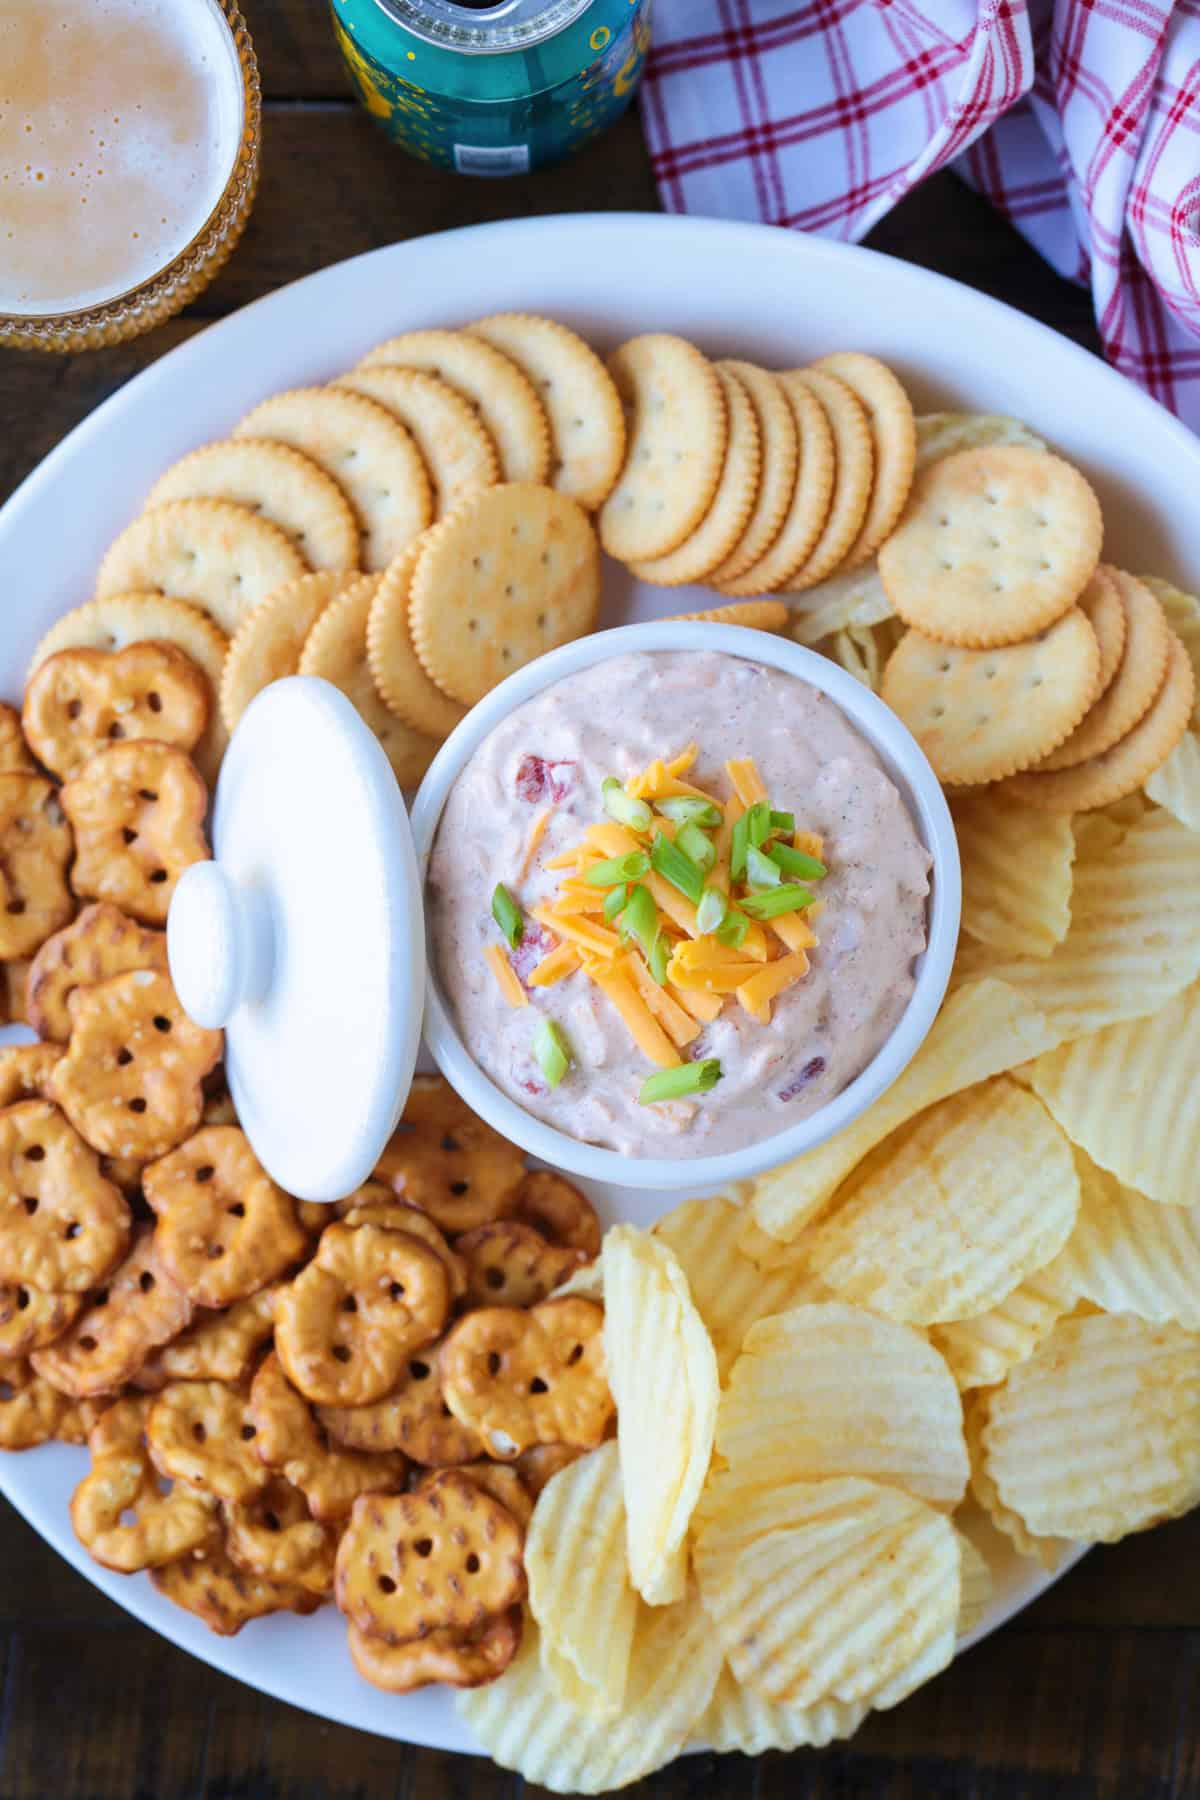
[613, 720]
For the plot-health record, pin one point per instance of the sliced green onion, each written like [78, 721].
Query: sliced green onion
[640, 919]
[687, 809]
[675, 866]
[660, 955]
[795, 862]
[623, 807]
[673, 1084]
[738, 845]
[711, 910]
[692, 841]
[783, 822]
[761, 872]
[792, 897]
[553, 1052]
[507, 914]
[614, 902]
[630, 867]
[732, 930]
[758, 823]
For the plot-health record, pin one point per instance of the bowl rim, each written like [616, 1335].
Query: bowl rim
[905, 763]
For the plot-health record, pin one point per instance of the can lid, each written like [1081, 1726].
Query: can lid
[304, 938]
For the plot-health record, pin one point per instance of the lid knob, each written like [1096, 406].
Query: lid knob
[219, 944]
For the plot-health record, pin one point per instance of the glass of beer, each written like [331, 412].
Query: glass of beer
[129, 144]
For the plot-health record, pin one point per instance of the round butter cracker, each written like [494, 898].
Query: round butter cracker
[514, 572]
[396, 669]
[759, 615]
[139, 618]
[368, 453]
[725, 520]
[779, 457]
[995, 544]
[980, 715]
[675, 449]
[336, 650]
[853, 476]
[587, 425]
[281, 484]
[893, 437]
[505, 400]
[810, 500]
[1123, 768]
[267, 644]
[446, 429]
[216, 555]
[1101, 604]
[1139, 676]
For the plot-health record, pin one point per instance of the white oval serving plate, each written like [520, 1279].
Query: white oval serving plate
[736, 289]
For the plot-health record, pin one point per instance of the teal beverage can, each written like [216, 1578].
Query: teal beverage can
[495, 88]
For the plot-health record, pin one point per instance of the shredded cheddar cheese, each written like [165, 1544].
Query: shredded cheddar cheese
[561, 961]
[506, 979]
[794, 931]
[577, 931]
[536, 834]
[680, 1027]
[747, 782]
[756, 994]
[645, 1031]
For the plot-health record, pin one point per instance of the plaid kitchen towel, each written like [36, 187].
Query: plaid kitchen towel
[1079, 119]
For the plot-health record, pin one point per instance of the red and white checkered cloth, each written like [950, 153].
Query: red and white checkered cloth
[1079, 119]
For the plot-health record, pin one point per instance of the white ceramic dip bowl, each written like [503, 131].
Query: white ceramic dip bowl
[904, 762]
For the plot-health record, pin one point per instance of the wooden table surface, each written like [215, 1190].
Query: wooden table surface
[1094, 1691]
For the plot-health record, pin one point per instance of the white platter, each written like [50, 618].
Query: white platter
[737, 290]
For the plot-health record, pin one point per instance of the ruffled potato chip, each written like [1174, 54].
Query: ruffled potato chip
[1130, 1097]
[839, 1589]
[1128, 1254]
[1134, 941]
[1183, 614]
[739, 1719]
[1049, 1551]
[1098, 1434]
[832, 1390]
[1016, 871]
[662, 1370]
[982, 1030]
[729, 1290]
[1176, 783]
[579, 1589]
[955, 1211]
[523, 1724]
[981, 1351]
[945, 433]
[855, 598]
[976, 1586]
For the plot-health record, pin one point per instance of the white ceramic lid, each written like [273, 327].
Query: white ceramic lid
[304, 939]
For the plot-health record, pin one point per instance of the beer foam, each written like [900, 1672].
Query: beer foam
[119, 128]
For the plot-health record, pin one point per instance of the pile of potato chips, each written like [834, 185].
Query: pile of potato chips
[976, 1310]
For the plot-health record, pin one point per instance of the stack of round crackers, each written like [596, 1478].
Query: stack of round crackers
[1028, 661]
[752, 481]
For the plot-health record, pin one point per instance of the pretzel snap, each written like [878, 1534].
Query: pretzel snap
[274, 1535]
[102, 941]
[130, 1081]
[290, 1441]
[448, 1162]
[346, 1326]
[414, 1418]
[30, 1319]
[36, 845]
[140, 1308]
[510, 1264]
[201, 1432]
[558, 1210]
[217, 1346]
[138, 813]
[523, 1378]
[120, 1515]
[32, 1412]
[461, 1659]
[225, 1596]
[62, 1225]
[445, 1557]
[80, 701]
[224, 1228]
[376, 1205]
[25, 1071]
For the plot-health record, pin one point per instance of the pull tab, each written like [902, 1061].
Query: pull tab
[219, 944]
